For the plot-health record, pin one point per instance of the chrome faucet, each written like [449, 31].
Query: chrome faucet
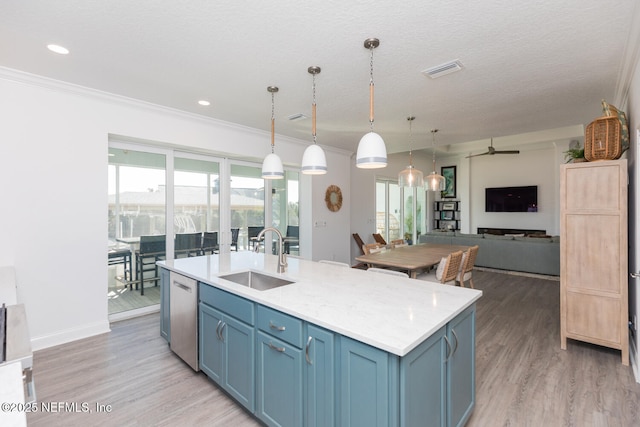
[282, 258]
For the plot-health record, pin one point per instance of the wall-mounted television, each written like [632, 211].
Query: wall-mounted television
[512, 199]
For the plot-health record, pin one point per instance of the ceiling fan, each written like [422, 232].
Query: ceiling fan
[492, 151]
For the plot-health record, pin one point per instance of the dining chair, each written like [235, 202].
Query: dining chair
[188, 244]
[209, 242]
[292, 239]
[466, 266]
[234, 238]
[371, 248]
[447, 270]
[389, 272]
[379, 239]
[398, 242]
[122, 256]
[359, 242]
[337, 263]
[252, 233]
[152, 249]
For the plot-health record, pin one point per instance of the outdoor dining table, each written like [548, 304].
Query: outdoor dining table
[411, 258]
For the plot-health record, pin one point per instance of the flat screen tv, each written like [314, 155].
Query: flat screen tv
[512, 199]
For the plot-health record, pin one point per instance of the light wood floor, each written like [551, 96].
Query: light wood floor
[523, 378]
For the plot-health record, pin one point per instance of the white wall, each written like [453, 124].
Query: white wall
[53, 169]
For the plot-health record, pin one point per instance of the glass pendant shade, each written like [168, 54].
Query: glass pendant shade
[272, 167]
[314, 161]
[411, 177]
[372, 153]
[435, 182]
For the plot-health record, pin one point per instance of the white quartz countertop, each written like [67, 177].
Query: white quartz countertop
[388, 312]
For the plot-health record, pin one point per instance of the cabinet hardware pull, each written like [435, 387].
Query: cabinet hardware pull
[634, 275]
[453, 331]
[224, 324]
[448, 348]
[218, 330]
[181, 286]
[273, 347]
[276, 327]
[306, 351]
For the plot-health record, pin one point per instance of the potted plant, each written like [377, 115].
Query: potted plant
[574, 154]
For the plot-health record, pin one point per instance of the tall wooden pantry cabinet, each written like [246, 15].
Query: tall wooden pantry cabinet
[593, 254]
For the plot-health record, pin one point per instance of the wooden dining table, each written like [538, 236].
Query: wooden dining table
[411, 258]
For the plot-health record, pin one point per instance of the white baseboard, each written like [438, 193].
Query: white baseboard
[116, 317]
[68, 335]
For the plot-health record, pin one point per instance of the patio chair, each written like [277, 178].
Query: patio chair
[152, 249]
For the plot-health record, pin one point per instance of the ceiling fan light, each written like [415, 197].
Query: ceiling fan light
[372, 153]
[314, 162]
[411, 177]
[435, 182]
[272, 167]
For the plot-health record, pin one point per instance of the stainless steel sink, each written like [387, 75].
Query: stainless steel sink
[255, 280]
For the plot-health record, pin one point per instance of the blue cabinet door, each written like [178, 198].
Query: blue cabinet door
[461, 371]
[423, 379]
[239, 379]
[319, 378]
[210, 345]
[279, 385]
[364, 385]
[165, 329]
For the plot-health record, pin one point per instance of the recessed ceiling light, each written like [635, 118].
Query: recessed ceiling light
[58, 49]
[204, 103]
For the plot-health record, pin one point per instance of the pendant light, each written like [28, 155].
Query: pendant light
[410, 177]
[314, 162]
[272, 165]
[435, 182]
[372, 153]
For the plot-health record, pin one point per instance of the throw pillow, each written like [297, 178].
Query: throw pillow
[464, 259]
[440, 269]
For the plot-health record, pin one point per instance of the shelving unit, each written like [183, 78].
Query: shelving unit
[446, 215]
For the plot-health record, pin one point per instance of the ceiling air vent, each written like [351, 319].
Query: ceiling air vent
[298, 116]
[443, 69]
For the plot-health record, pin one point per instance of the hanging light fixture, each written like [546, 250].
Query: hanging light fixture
[435, 182]
[272, 165]
[314, 162]
[410, 177]
[372, 153]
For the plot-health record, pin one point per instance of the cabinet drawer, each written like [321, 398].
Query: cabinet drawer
[280, 325]
[230, 304]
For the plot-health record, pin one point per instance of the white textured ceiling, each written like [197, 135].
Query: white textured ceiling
[528, 65]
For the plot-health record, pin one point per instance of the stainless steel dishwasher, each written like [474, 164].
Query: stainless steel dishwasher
[183, 305]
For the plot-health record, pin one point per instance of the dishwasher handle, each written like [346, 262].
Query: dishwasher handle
[182, 286]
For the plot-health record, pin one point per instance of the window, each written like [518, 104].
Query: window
[396, 210]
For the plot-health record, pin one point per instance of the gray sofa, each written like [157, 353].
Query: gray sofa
[539, 255]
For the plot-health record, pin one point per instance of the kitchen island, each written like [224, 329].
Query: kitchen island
[337, 346]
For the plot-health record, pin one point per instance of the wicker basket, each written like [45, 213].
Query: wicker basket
[602, 139]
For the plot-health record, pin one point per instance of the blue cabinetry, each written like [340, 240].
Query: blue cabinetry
[165, 330]
[227, 343]
[367, 380]
[461, 372]
[289, 372]
[319, 374]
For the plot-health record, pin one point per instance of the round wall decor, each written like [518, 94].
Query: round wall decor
[333, 198]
